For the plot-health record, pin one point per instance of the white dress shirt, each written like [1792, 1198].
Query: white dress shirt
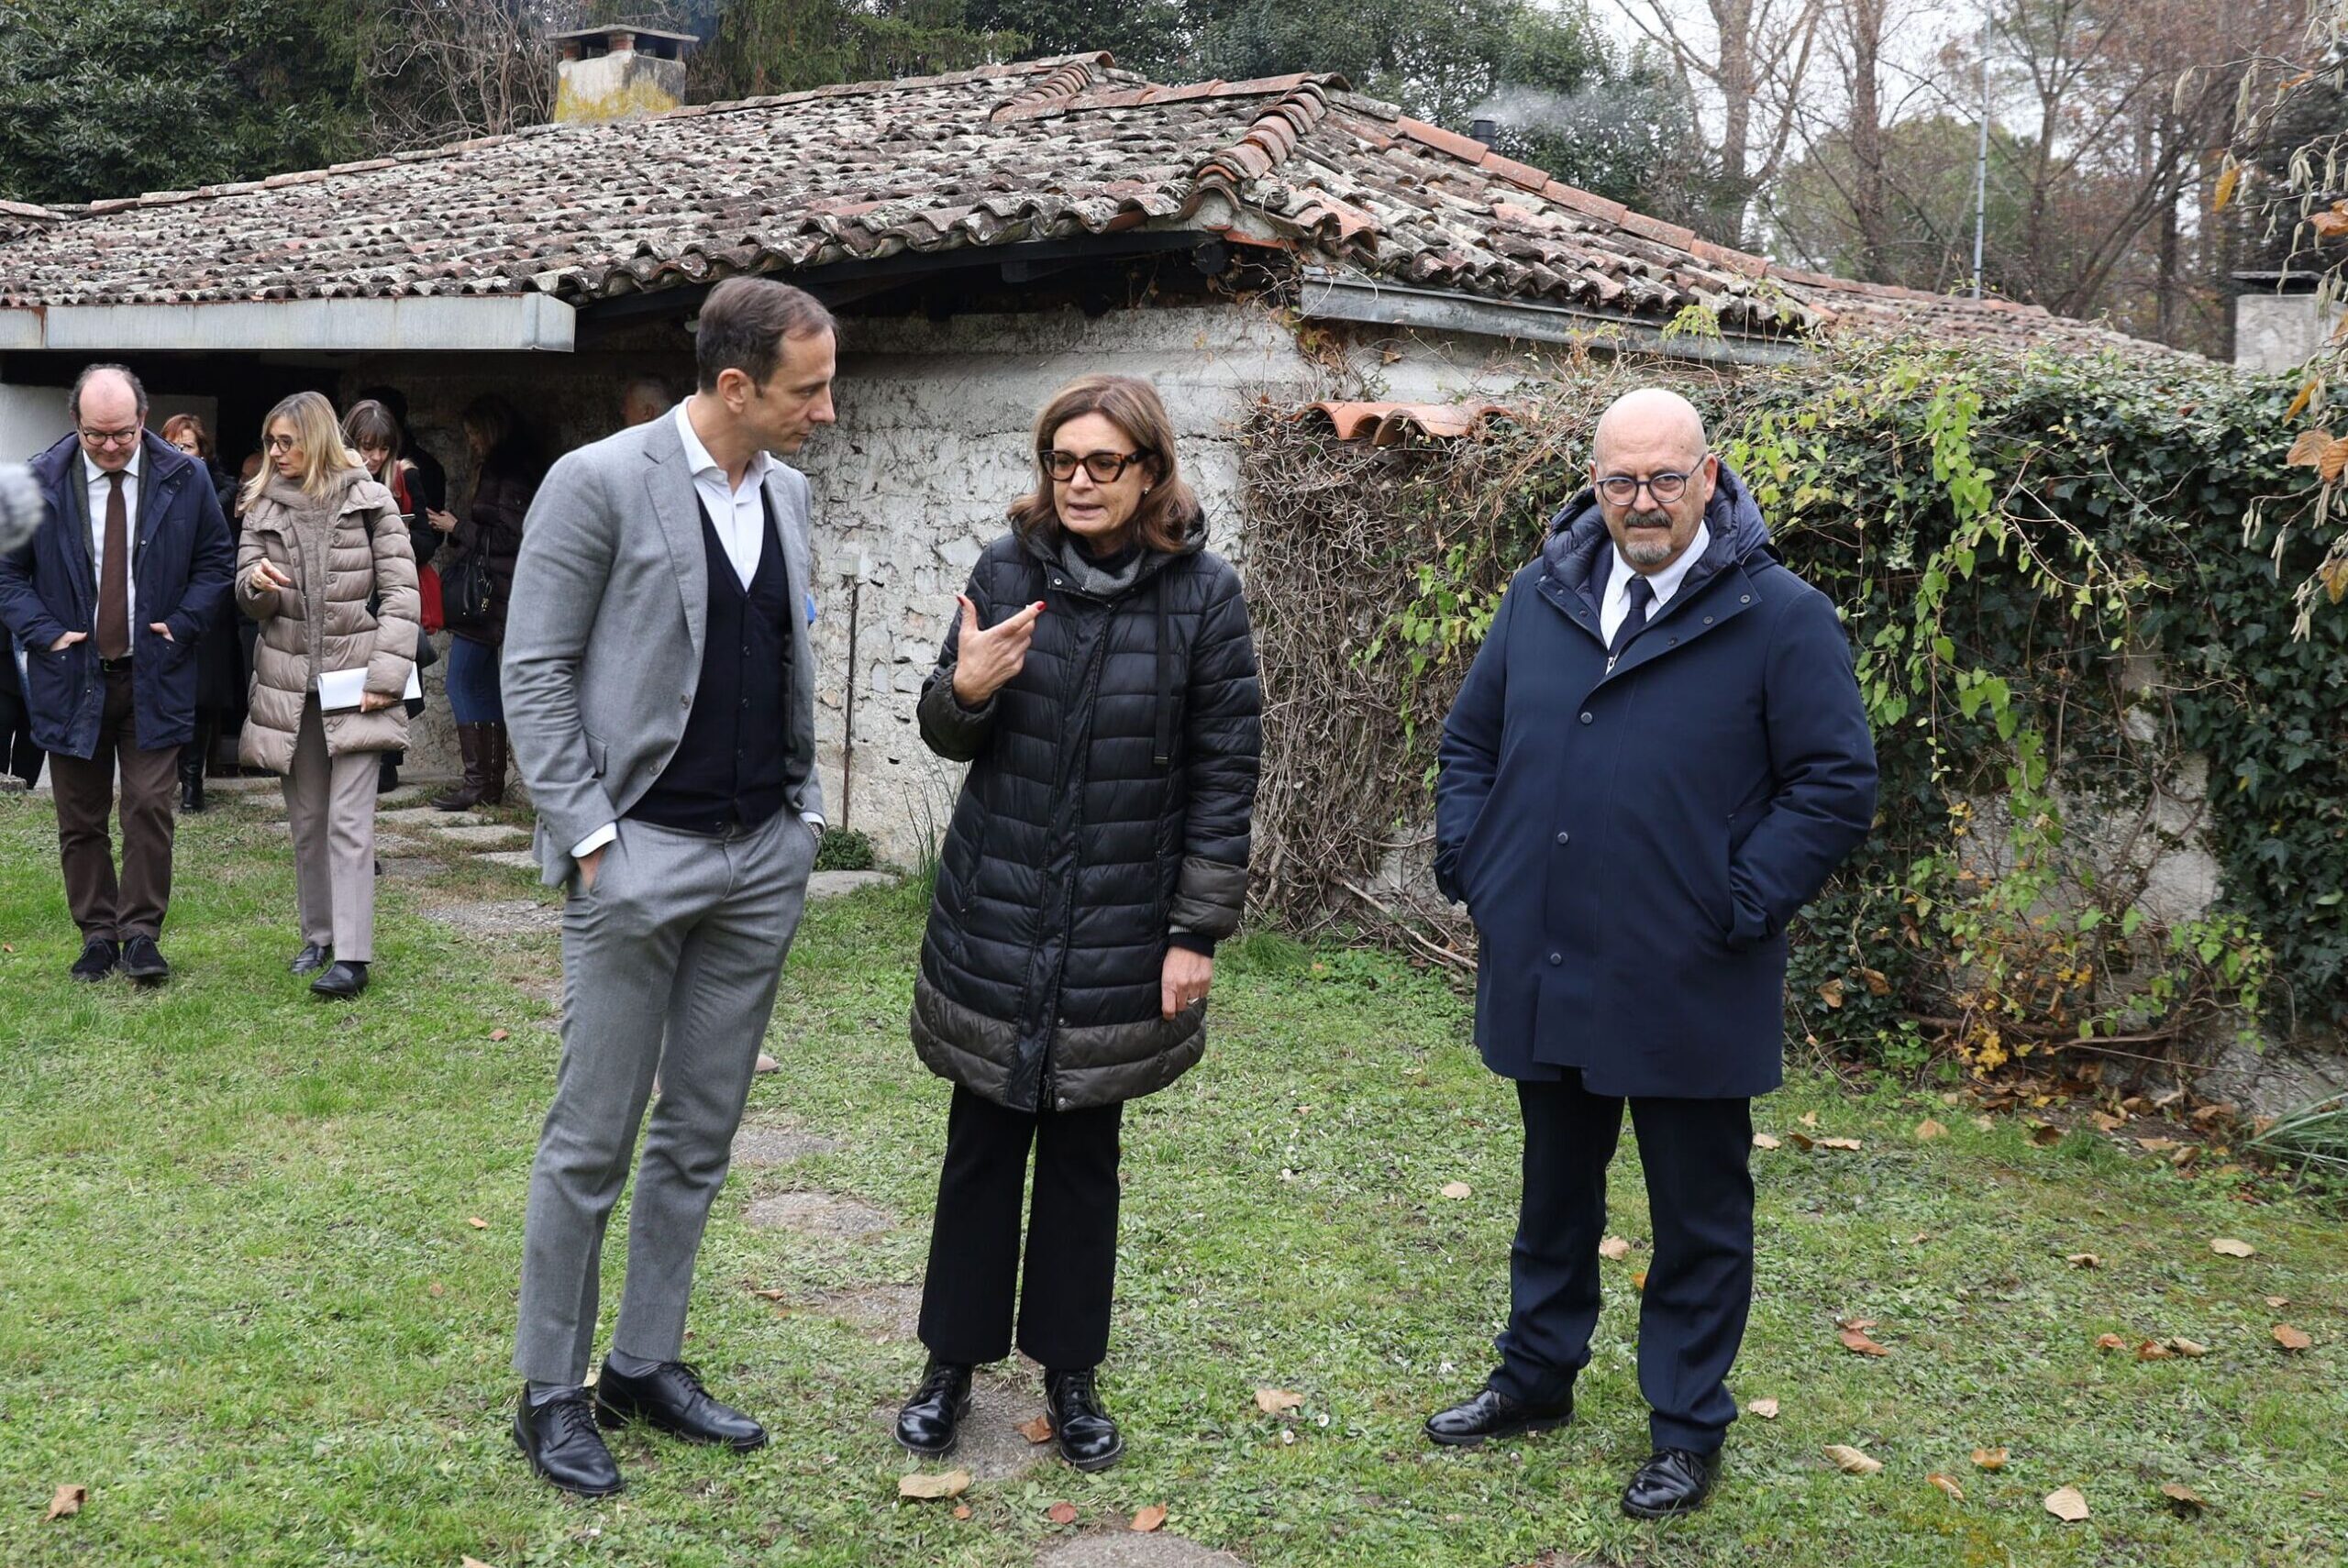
[1616, 601]
[740, 518]
[99, 486]
[738, 515]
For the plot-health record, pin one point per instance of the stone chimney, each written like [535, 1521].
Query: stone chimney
[619, 72]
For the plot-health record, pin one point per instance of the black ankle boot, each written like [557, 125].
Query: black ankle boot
[931, 1422]
[191, 778]
[1088, 1438]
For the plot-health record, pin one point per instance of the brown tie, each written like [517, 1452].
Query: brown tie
[114, 576]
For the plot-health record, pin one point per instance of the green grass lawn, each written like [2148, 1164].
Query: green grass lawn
[243, 1302]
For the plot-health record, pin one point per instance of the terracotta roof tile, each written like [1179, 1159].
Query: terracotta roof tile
[1035, 151]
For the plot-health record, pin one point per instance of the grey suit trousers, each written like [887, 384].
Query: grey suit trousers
[330, 806]
[669, 963]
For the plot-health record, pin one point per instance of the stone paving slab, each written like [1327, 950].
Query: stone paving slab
[1122, 1547]
[512, 859]
[833, 884]
[390, 844]
[495, 917]
[482, 835]
[409, 869]
[779, 1145]
[818, 1213]
[887, 1311]
[427, 815]
[991, 1447]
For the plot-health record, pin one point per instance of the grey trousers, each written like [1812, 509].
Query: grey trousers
[330, 806]
[670, 964]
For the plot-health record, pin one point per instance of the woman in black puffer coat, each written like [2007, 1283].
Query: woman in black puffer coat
[1102, 684]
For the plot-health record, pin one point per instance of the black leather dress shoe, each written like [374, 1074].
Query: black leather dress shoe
[931, 1422]
[99, 955]
[343, 978]
[144, 962]
[1674, 1481]
[561, 1443]
[1088, 1438]
[311, 959]
[1492, 1414]
[672, 1399]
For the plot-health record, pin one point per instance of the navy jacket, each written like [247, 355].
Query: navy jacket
[1632, 844]
[182, 563]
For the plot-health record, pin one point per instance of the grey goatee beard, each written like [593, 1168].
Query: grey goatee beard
[1641, 553]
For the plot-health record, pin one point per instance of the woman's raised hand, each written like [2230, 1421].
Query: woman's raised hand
[987, 658]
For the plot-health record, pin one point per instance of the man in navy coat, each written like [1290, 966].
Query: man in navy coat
[1658, 756]
[108, 600]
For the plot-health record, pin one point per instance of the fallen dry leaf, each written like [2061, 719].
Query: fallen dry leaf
[2156, 1146]
[2278, 1302]
[2045, 1135]
[477, 1223]
[766, 1064]
[500, 1034]
[2084, 1260]
[1764, 1408]
[436, 1289]
[1149, 1518]
[1859, 1344]
[1838, 1142]
[2068, 1504]
[1061, 1513]
[1830, 993]
[953, 1484]
[1763, 1140]
[2229, 1247]
[777, 1293]
[961, 1510]
[1457, 1189]
[2187, 1347]
[2153, 1350]
[2184, 1496]
[2291, 1339]
[1037, 1430]
[1614, 1249]
[1927, 1129]
[1639, 1281]
[2107, 1122]
[1803, 1142]
[1986, 1124]
[1946, 1485]
[1809, 1119]
[1990, 1458]
[1276, 1401]
[2109, 1343]
[1850, 1462]
[472, 1562]
[68, 1501]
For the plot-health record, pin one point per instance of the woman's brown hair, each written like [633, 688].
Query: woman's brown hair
[370, 424]
[1168, 511]
[179, 421]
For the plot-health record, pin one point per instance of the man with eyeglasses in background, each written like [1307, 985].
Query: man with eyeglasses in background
[1658, 756]
[108, 600]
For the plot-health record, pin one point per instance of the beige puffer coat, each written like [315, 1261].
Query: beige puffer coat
[322, 622]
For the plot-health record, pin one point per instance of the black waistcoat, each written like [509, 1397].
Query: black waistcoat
[732, 767]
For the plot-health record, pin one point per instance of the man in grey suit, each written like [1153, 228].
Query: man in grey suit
[660, 689]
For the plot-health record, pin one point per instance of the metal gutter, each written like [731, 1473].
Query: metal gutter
[1330, 296]
[476, 323]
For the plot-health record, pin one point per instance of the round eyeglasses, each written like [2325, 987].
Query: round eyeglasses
[1621, 490]
[1106, 467]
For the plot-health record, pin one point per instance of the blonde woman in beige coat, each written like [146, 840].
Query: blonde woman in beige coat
[326, 567]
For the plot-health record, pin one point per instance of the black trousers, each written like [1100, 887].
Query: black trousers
[974, 1254]
[1699, 1286]
[18, 754]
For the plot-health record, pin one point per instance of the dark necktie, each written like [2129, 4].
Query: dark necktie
[1637, 597]
[114, 576]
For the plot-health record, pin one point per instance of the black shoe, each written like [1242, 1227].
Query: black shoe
[344, 977]
[387, 772]
[931, 1422]
[311, 959]
[191, 791]
[671, 1398]
[1492, 1414]
[1675, 1481]
[1088, 1438]
[144, 962]
[560, 1442]
[99, 955]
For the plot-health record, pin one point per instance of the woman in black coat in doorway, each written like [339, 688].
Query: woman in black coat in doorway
[221, 664]
[1102, 684]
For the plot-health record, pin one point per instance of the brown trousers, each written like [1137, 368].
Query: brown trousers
[133, 904]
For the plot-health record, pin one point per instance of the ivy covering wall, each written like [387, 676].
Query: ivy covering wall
[2069, 583]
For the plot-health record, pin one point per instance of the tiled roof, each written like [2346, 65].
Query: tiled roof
[1042, 149]
[1390, 423]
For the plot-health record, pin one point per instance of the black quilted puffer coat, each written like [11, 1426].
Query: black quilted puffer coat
[1111, 786]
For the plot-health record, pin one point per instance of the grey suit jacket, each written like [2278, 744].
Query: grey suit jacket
[603, 635]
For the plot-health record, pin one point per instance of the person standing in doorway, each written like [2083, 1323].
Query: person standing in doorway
[662, 691]
[326, 569]
[1658, 756]
[220, 657]
[372, 431]
[108, 600]
[1102, 685]
[487, 541]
